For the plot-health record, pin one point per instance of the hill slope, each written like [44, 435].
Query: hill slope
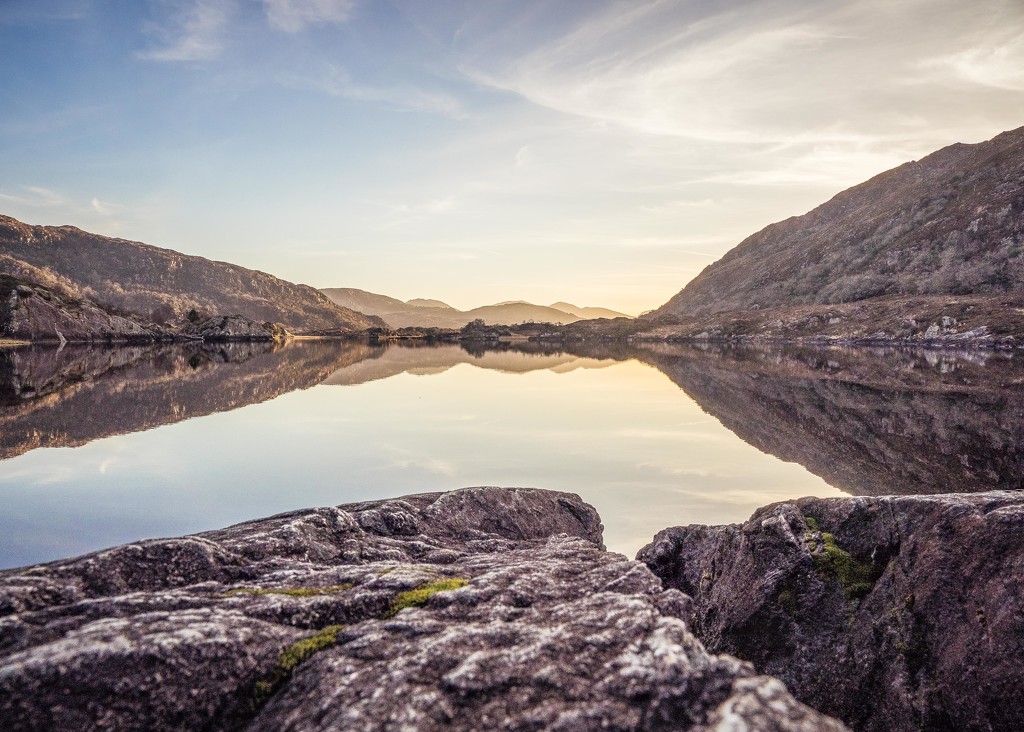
[951, 223]
[425, 313]
[161, 283]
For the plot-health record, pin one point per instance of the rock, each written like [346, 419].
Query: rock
[479, 609]
[891, 613]
[236, 328]
[32, 312]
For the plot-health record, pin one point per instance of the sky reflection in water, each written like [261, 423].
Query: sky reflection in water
[619, 433]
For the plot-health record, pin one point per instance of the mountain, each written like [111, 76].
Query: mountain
[950, 224]
[161, 284]
[425, 313]
[587, 313]
[421, 302]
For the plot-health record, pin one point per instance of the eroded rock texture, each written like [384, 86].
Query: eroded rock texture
[892, 613]
[479, 609]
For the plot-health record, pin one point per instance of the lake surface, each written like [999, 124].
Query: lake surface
[104, 446]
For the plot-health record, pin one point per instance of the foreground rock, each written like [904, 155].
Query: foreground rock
[478, 609]
[892, 613]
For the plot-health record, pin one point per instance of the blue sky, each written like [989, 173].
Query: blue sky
[598, 152]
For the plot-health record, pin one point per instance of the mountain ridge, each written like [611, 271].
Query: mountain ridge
[428, 313]
[161, 284]
[951, 223]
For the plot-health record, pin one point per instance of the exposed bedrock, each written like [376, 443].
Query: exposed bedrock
[891, 613]
[479, 609]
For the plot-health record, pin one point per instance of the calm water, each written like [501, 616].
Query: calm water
[100, 447]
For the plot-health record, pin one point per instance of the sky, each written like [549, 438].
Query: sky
[600, 152]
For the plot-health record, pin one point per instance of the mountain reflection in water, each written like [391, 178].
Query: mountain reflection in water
[865, 421]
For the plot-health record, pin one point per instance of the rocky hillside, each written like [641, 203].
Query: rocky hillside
[425, 313]
[159, 284]
[951, 223]
[480, 609]
[895, 614]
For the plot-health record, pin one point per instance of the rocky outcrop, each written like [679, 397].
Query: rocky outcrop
[478, 609]
[892, 613]
[236, 328]
[161, 284]
[32, 312]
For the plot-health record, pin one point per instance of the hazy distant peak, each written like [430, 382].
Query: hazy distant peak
[422, 302]
[430, 313]
[587, 313]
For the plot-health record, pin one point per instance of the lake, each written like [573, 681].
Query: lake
[100, 446]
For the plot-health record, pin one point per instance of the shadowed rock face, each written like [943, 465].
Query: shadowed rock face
[868, 422]
[892, 613]
[479, 609]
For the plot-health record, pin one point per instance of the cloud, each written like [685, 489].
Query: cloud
[101, 208]
[192, 33]
[292, 16]
[999, 65]
[826, 71]
[337, 82]
[36, 197]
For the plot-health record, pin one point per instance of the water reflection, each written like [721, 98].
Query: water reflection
[328, 422]
[868, 421]
[51, 398]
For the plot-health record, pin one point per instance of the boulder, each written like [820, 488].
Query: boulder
[479, 609]
[891, 613]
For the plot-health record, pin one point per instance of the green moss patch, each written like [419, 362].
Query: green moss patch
[290, 591]
[291, 657]
[856, 578]
[787, 600]
[421, 595]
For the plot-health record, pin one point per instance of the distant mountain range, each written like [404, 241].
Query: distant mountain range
[951, 223]
[424, 313]
[154, 284]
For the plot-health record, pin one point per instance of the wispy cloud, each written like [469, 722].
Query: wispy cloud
[292, 16]
[35, 196]
[104, 209]
[337, 82]
[994, 64]
[825, 71]
[192, 32]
